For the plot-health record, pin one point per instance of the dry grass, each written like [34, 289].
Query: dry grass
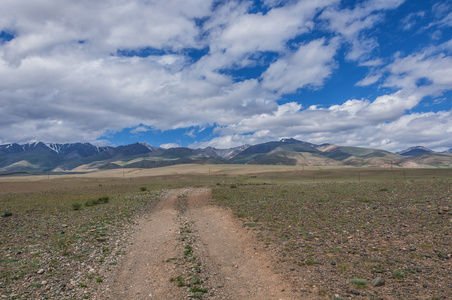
[367, 221]
[343, 231]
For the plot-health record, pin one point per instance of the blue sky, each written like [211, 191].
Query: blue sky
[204, 73]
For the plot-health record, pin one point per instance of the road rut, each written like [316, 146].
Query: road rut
[189, 247]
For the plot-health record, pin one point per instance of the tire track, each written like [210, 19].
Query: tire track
[189, 248]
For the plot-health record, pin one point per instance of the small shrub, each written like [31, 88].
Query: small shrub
[240, 214]
[76, 206]
[398, 274]
[100, 200]
[104, 199]
[359, 283]
[180, 281]
[188, 250]
[63, 246]
[195, 280]
[99, 280]
[233, 186]
[90, 202]
[363, 199]
[143, 189]
[196, 289]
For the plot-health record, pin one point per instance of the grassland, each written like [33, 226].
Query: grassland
[333, 234]
[333, 228]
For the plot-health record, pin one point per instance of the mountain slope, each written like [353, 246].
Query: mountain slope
[415, 151]
[42, 157]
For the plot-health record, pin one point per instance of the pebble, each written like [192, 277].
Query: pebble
[378, 281]
[41, 271]
[355, 292]
[443, 256]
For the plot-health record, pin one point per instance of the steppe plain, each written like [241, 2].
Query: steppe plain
[228, 232]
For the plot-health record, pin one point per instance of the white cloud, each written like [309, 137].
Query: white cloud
[371, 78]
[290, 120]
[191, 133]
[169, 146]
[54, 26]
[430, 129]
[410, 20]
[372, 63]
[269, 32]
[426, 127]
[139, 130]
[235, 34]
[353, 24]
[308, 66]
[443, 14]
[427, 73]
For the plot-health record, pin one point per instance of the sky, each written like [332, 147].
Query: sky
[199, 73]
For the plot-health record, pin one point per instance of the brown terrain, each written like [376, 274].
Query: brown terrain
[228, 232]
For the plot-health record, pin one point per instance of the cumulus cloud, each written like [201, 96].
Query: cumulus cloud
[290, 119]
[52, 26]
[380, 123]
[331, 126]
[308, 66]
[269, 32]
[425, 73]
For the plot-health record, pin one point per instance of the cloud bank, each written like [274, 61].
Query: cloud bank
[83, 70]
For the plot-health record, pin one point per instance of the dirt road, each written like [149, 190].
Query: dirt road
[188, 247]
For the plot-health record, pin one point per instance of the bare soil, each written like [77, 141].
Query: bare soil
[188, 247]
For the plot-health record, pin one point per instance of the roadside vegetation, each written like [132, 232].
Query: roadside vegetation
[62, 234]
[338, 236]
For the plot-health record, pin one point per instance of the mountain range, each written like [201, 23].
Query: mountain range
[84, 157]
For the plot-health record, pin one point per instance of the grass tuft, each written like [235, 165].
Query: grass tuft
[76, 206]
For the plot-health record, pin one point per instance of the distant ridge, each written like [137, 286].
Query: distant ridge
[84, 157]
[415, 151]
[78, 149]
